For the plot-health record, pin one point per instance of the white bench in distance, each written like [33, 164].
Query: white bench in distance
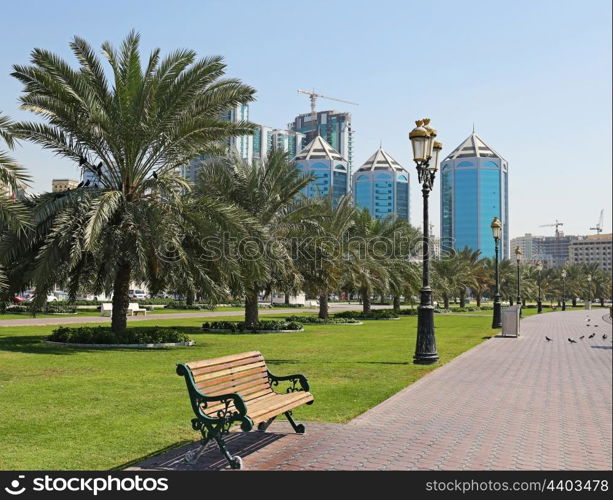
[134, 309]
[106, 309]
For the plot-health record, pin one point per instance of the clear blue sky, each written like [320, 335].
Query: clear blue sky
[534, 76]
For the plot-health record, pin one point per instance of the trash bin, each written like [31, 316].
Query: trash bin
[510, 321]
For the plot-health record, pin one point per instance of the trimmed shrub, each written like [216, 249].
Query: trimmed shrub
[373, 314]
[239, 326]
[104, 335]
[314, 320]
[408, 312]
[179, 304]
[59, 307]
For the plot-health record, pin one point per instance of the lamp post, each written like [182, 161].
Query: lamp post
[497, 233]
[539, 301]
[425, 155]
[589, 296]
[518, 253]
[563, 289]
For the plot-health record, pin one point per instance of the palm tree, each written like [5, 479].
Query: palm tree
[449, 276]
[322, 252]
[13, 214]
[269, 194]
[133, 133]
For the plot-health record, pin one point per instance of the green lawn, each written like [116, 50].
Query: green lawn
[71, 408]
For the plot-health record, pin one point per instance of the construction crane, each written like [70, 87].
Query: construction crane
[598, 227]
[313, 97]
[556, 224]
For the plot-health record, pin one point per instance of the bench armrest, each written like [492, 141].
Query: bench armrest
[294, 379]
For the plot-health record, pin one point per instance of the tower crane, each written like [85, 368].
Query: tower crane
[556, 224]
[313, 97]
[598, 227]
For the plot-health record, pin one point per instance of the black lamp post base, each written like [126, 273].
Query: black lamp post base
[425, 353]
[497, 318]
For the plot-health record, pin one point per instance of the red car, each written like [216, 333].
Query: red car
[18, 300]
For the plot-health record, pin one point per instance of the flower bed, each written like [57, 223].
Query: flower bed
[103, 335]
[314, 320]
[260, 327]
[374, 314]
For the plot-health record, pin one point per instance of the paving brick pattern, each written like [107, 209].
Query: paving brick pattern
[507, 404]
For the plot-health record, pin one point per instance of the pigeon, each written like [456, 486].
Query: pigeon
[604, 336]
[572, 341]
[596, 326]
[591, 336]
[548, 339]
[87, 183]
[582, 337]
[155, 175]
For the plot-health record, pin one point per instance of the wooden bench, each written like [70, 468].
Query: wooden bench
[238, 389]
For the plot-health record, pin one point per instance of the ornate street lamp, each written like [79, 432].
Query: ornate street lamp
[425, 155]
[497, 233]
[589, 285]
[518, 253]
[563, 289]
[539, 302]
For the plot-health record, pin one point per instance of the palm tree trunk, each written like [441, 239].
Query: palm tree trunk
[287, 296]
[446, 300]
[365, 300]
[323, 306]
[251, 307]
[121, 299]
[478, 299]
[189, 300]
[601, 302]
[462, 298]
[574, 301]
[396, 303]
[510, 301]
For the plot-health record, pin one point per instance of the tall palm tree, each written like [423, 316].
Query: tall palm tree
[322, 252]
[13, 214]
[449, 276]
[132, 132]
[269, 194]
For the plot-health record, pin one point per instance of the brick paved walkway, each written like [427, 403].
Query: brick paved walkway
[506, 404]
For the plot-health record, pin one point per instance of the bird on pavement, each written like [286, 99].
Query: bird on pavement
[548, 339]
[604, 336]
[591, 336]
[572, 341]
[582, 337]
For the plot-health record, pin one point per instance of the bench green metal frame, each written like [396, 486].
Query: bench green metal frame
[215, 428]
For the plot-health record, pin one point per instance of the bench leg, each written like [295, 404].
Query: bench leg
[262, 426]
[298, 428]
[191, 457]
[235, 462]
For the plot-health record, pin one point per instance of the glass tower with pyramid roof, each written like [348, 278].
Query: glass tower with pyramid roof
[474, 190]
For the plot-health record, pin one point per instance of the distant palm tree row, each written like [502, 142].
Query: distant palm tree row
[462, 271]
[242, 229]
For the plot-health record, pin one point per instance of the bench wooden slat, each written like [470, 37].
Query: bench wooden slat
[242, 388]
[234, 382]
[213, 382]
[194, 365]
[230, 371]
[213, 368]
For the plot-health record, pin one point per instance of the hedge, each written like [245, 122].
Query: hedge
[373, 314]
[240, 327]
[104, 335]
[319, 321]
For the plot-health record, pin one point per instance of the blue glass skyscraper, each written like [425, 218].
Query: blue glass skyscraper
[382, 186]
[327, 166]
[474, 190]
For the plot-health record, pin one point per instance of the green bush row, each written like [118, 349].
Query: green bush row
[104, 335]
[318, 321]
[239, 326]
[373, 314]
